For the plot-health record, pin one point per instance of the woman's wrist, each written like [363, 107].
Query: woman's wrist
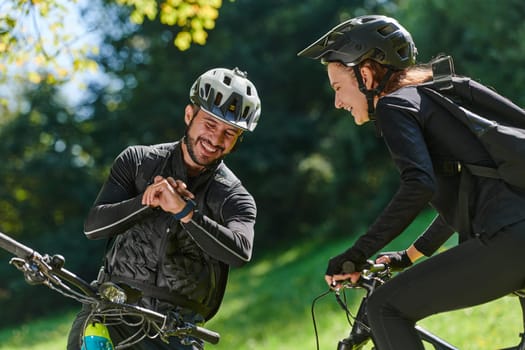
[413, 254]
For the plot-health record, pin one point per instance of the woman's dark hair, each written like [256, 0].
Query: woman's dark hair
[413, 75]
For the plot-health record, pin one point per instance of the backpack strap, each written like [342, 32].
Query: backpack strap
[455, 167]
[465, 222]
[465, 189]
[483, 171]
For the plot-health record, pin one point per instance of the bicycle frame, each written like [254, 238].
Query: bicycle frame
[109, 300]
[361, 334]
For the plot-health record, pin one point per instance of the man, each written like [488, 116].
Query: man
[175, 215]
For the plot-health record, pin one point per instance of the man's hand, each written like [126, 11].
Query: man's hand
[180, 187]
[168, 194]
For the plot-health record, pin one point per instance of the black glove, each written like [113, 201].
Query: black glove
[342, 264]
[398, 260]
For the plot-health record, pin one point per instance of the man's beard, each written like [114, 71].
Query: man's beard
[189, 142]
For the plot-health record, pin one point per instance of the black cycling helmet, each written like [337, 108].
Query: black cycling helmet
[228, 95]
[374, 37]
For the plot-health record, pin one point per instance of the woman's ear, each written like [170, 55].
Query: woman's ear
[368, 77]
[189, 112]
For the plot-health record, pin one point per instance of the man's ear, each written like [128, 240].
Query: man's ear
[189, 113]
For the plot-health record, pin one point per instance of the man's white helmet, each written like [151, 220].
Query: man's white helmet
[228, 95]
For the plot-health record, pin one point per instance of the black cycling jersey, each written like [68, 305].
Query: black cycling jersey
[118, 205]
[151, 250]
[419, 135]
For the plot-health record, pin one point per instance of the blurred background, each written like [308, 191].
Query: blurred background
[81, 80]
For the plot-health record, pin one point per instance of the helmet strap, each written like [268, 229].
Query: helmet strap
[370, 94]
[239, 140]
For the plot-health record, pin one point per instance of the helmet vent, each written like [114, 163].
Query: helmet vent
[207, 88]
[366, 19]
[403, 52]
[387, 29]
[218, 99]
[331, 39]
[245, 112]
[227, 80]
[248, 91]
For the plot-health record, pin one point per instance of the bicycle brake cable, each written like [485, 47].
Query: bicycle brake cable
[322, 295]
[349, 316]
[344, 306]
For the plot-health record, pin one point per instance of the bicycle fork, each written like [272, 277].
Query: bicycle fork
[360, 333]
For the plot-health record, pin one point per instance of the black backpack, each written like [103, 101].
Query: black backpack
[497, 122]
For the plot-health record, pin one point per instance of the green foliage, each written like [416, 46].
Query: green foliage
[46, 190]
[48, 41]
[44, 161]
[194, 17]
[40, 43]
[486, 38]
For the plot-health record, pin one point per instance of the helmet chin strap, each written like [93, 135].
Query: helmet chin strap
[370, 94]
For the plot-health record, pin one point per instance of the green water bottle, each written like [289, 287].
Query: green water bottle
[96, 337]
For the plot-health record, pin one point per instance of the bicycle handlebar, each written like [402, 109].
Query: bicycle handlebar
[15, 248]
[49, 271]
[205, 334]
[55, 264]
[187, 329]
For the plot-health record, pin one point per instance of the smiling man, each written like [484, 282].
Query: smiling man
[175, 215]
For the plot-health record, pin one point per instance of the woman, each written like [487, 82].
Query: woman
[371, 67]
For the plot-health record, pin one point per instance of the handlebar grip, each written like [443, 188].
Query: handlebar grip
[376, 267]
[348, 267]
[14, 247]
[206, 334]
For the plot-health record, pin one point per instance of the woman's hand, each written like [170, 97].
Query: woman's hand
[401, 259]
[334, 280]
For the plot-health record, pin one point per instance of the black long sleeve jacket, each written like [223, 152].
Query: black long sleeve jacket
[156, 253]
[419, 135]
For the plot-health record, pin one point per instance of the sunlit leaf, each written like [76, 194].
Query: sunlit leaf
[199, 36]
[183, 41]
[34, 77]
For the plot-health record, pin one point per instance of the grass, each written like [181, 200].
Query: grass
[267, 306]
[41, 334]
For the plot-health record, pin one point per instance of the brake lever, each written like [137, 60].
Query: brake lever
[30, 269]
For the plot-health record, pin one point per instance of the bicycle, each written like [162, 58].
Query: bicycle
[361, 335]
[110, 303]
